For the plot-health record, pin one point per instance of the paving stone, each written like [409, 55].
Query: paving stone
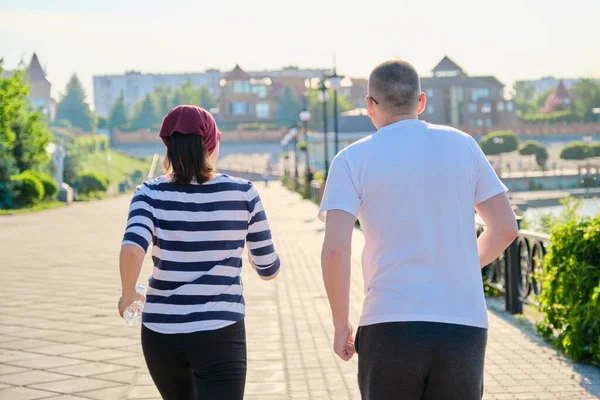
[45, 362]
[22, 393]
[88, 369]
[116, 392]
[31, 377]
[76, 385]
[144, 392]
[9, 369]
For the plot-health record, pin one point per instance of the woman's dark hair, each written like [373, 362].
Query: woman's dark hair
[187, 158]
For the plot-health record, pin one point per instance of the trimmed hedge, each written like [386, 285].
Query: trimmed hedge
[50, 186]
[570, 297]
[531, 147]
[28, 189]
[91, 182]
[577, 151]
[495, 143]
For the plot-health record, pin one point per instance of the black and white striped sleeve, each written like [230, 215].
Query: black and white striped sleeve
[259, 239]
[140, 223]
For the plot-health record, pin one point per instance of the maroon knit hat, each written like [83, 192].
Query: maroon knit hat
[191, 120]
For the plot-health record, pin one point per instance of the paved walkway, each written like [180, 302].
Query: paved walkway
[61, 339]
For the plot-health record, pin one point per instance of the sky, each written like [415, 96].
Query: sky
[510, 39]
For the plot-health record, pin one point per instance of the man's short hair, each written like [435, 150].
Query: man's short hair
[395, 85]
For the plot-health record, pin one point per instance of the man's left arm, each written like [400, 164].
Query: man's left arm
[335, 262]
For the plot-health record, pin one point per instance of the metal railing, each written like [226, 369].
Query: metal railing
[515, 272]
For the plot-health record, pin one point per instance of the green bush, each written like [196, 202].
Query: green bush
[531, 147]
[495, 143]
[570, 297]
[577, 151]
[27, 188]
[596, 148]
[90, 144]
[553, 117]
[91, 182]
[50, 186]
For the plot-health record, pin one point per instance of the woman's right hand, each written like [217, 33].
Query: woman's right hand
[126, 301]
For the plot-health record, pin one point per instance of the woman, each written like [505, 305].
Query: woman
[193, 334]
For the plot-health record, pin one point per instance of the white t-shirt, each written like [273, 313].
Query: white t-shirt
[413, 186]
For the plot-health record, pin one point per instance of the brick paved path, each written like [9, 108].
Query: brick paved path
[60, 337]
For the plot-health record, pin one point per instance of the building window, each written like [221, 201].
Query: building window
[472, 107]
[486, 108]
[480, 93]
[430, 109]
[509, 106]
[488, 123]
[500, 106]
[262, 110]
[429, 92]
[260, 91]
[471, 122]
[241, 87]
[480, 123]
[239, 108]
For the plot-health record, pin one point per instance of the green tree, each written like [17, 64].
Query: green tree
[74, 108]
[177, 100]
[316, 109]
[31, 139]
[540, 100]
[118, 114]
[23, 135]
[205, 99]
[495, 143]
[524, 98]
[288, 107]
[145, 117]
[587, 97]
[13, 92]
[577, 151]
[162, 100]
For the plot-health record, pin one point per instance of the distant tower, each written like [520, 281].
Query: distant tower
[40, 87]
[559, 100]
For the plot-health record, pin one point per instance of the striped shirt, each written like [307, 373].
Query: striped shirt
[198, 232]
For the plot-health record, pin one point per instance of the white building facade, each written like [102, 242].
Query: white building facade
[135, 86]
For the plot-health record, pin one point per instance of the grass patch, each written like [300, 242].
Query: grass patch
[49, 205]
[92, 196]
[119, 168]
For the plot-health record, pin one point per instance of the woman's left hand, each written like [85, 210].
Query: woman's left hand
[125, 302]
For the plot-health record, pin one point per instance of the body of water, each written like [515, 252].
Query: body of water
[590, 208]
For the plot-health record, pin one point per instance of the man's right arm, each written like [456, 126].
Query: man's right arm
[500, 227]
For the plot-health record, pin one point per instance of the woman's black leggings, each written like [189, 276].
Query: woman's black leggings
[198, 365]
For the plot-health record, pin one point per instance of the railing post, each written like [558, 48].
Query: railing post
[514, 304]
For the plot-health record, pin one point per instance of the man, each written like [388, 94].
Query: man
[414, 188]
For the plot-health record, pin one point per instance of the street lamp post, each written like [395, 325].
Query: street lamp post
[294, 134]
[305, 117]
[335, 82]
[323, 96]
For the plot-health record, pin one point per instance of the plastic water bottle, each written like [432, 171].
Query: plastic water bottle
[133, 313]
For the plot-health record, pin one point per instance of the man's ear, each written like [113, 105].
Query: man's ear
[422, 103]
[369, 103]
